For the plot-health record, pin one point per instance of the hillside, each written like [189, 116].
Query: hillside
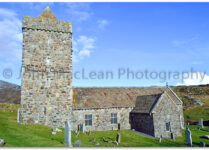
[9, 93]
[195, 98]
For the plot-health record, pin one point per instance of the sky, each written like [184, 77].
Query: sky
[119, 44]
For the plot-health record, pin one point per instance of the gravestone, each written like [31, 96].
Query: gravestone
[92, 141]
[118, 138]
[202, 144]
[77, 143]
[68, 134]
[188, 135]
[2, 142]
[89, 133]
[200, 123]
[97, 144]
[18, 115]
[82, 128]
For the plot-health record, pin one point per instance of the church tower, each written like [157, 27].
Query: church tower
[46, 94]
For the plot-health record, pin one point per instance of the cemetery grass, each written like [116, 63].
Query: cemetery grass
[19, 135]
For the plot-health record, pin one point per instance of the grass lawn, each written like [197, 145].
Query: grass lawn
[19, 135]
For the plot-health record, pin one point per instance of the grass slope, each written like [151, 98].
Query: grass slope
[19, 135]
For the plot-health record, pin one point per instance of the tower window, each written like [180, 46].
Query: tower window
[88, 120]
[114, 118]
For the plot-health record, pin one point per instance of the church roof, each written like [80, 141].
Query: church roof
[98, 97]
[145, 103]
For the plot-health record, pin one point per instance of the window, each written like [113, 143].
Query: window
[114, 119]
[88, 120]
[168, 126]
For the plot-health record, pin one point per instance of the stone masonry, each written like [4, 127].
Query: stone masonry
[46, 94]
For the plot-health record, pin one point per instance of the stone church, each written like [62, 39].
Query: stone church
[48, 98]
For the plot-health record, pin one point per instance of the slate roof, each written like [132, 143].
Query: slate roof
[145, 103]
[109, 97]
[85, 98]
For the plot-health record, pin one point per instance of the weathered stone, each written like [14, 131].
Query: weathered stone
[206, 136]
[200, 123]
[188, 136]
[57, 130]
[46, 66]
[54, 133]
[2, 142]
[68, 134]
[202, 144]
[89, 133]
[92, 141]
[118, 138]
[97, 144]
[77, 143]
[116, 143]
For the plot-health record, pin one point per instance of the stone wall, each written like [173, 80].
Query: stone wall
[46, 94]
[142, 123]
[101, 118]
[165, 112]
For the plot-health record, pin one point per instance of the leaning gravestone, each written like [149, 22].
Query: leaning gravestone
[200, 123]
[202, 144]
[118, 138]
[68, 134]
[188, 135]
[77, 143]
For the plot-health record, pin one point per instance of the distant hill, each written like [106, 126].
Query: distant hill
[9, 93]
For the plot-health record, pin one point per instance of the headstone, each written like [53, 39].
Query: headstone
[202, 144]
[97, 144]
[104, 139]
[173, 136]
[109, 141]
[77, 143]
[77, 133]
[57, 130]
[2, 142]
[68, 134]
[200, 123]
[18, 115]
[54, 133]
[89, 133]
[188, 135]
[82, 128]
[206, 136]
[188, 123]
[116, 143]
[118, 138]
[92, 141]
[160, 139]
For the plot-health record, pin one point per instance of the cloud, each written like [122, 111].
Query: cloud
[184, 42]
[79, 11]
[102, 23]
[82, 47]
[10, 36]
[195, 78]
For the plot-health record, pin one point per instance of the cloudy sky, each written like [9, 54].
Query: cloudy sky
[123, 44]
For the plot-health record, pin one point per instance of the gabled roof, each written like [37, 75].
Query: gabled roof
[146, 103]
[109, 97]
[85, 98]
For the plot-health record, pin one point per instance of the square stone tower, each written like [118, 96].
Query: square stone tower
[46, 94]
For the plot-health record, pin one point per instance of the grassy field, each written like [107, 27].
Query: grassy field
[18, 135]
